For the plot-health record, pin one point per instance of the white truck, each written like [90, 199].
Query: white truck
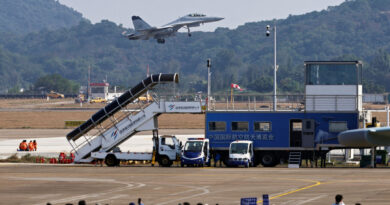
[241, 153]
[166, 150]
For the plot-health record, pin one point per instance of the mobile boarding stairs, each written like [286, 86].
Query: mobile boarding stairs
[114, 124]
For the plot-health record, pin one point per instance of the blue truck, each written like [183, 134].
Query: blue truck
[276, 134]
[332, 104]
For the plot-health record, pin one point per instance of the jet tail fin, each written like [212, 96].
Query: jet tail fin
[140, 24]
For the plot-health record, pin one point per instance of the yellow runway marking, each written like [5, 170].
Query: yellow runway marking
[317, 183]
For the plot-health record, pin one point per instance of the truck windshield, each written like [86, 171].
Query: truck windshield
[193, 146]
[239, 148]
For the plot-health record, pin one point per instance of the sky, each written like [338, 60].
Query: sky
[158, 12]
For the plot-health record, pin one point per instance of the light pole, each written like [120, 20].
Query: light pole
[208, 83]
[267, 33]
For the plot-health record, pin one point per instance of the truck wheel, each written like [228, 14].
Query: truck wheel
[111, 160]
[181, 164]
[165, 162]
[268, 159]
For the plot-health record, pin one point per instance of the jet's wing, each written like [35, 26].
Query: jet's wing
[180, 24]
[154, 29]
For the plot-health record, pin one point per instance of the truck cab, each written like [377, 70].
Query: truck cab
[168, 150]
[241, 153]
[196, 152]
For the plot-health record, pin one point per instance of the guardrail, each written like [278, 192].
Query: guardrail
[290, 102]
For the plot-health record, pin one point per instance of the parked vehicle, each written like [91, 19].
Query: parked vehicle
[98, 100]
[166, 150]
[145, 99]
[276, 134]
[196, 152]
[53, 94]
[241, 153]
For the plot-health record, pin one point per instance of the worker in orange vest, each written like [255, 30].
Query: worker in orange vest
[35, 145]
[30, 146]
[23, 146]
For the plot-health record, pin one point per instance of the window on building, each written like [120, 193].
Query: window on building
[217, 126]
[297, 126]
[262, 126]
[338, 126]
[97, 90]
[333, 74]
[240, 126]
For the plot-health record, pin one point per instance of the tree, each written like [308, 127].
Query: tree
[55, 82]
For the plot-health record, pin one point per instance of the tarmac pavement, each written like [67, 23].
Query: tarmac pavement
[60, 184]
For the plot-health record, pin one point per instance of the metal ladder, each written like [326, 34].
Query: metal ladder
[294, 159]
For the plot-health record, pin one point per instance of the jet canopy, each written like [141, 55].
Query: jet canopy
[196, 15]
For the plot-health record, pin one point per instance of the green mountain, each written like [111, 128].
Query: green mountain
[25, 16]
[357, 29]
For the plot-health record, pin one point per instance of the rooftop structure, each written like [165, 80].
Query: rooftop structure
[333, 86]
[99, 90]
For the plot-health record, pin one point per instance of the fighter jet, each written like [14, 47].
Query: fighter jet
[144, 31]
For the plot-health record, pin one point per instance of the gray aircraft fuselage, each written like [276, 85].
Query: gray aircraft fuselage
[144, 31]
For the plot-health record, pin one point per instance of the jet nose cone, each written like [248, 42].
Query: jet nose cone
[216, 18]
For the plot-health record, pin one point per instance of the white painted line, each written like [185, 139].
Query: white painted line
[84, 196]
[204, 189]
[111, 198]
[312, 199]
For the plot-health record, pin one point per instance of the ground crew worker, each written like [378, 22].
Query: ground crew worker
[23, 146]
[217, 157]
[35, 145]
[20, 146]
[30, 146]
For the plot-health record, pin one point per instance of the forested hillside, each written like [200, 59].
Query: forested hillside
[25, 16]
[355, 30]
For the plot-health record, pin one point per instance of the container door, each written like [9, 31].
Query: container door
[308, 131]
[295, 133]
